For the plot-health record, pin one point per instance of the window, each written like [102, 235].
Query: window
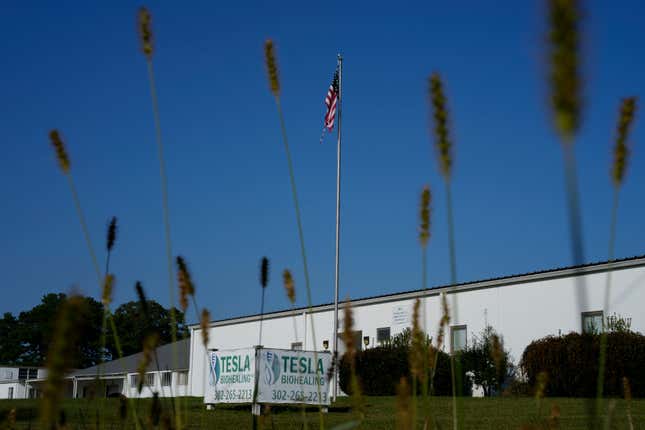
[10, 395]
[182, 378]
[33, 373]
[382, 335]
[23, 372]
[134, 380]
[358, 340]
[458, 338]
[150, 379]
[296, 346]
[166, 379]
[592, 322]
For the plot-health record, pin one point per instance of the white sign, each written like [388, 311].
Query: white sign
[400, 316]
[286, 376]
[231, 376]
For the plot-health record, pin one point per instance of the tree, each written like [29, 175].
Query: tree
[132, 326]
[488, 361]
[10, 346]
[26, 339]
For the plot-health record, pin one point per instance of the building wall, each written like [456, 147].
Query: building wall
[18, 389]
[9, 379]
[175, 389]
[521, 312]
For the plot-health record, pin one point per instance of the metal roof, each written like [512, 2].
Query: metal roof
[541, 275]
[129, 364]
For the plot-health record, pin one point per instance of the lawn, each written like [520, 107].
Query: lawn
[497, 413]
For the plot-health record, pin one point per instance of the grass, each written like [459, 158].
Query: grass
[479, 413]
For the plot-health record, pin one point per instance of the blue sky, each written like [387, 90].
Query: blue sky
[77, 67]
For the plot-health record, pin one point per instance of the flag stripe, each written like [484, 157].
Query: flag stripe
[331, 100]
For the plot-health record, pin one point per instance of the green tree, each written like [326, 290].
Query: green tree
[488, 361]
[132, 326]
[11, 347]
[34, 328]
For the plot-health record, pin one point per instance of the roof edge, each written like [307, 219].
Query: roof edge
[562, 272]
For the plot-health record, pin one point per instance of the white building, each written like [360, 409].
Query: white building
[167, 375]
[521, 308]
[15, 381]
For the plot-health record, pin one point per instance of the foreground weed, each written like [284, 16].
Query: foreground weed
[147, 47]
[274, 85]
[60, 359]
[619, 167]
[444, 145]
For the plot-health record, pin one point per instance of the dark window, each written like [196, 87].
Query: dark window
[23, 372]
[382, 335]
[296, 346]
[458, 338]
[592, 322]
[33, 373]
[166, 379]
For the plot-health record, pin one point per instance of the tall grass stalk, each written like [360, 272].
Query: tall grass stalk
[619, 166]
[290, 290]
[64, 163]
[424, 237]
[444, 145]
[146, 38]
[565, 83]
[274, 83]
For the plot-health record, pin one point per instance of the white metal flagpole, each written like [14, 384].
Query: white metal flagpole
[336, 281]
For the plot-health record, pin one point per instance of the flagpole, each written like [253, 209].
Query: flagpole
[337, 274]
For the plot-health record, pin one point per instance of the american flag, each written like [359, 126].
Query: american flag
[330, 101]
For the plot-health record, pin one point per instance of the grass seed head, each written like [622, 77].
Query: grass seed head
[108, 288]
[204, 324]
[264, 272]
[60, 357]
[111, 234]
[186, 286]
[564, 73]
[621, 150]
[424, 215]
[416, 353]
[289, 285]
[145, 32]
[540, 389]
[150, 343]
[348, 330]
[272, 67]
[627, 390]
[61, 152]
[445, 320]
[403, 405]
[143, 301]
[441, 125]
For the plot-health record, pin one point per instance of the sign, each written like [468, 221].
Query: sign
[400, 316]
[286, 376]
[231, 376]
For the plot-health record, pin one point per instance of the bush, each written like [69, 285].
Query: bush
[488, 361]
[379, 370]
[571, 363]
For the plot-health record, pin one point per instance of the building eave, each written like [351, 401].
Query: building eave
[543, 275]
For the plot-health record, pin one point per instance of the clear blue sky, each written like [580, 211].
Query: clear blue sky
[77, 67]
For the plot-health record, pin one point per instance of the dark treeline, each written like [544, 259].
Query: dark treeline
[25, 339]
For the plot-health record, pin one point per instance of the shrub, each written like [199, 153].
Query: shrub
[380, 369]
[488, 361]
[571, 363]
